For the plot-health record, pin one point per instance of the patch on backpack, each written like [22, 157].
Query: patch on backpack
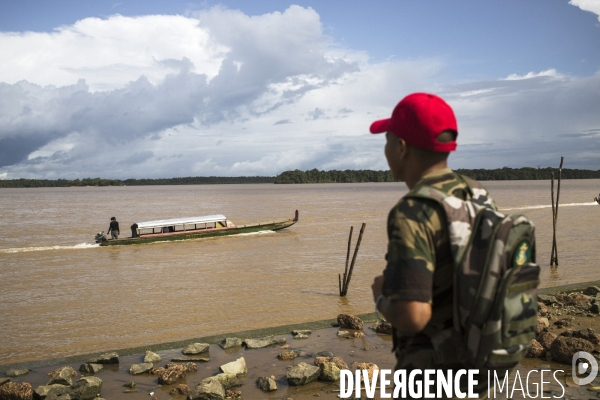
[522, 253]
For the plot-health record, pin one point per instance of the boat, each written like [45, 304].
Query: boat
[597, 199]
[166, 230]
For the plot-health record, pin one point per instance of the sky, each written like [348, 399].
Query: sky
[160, 89]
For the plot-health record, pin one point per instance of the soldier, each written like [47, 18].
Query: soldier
[415, 292]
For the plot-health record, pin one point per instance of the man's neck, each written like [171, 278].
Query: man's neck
[418, 174]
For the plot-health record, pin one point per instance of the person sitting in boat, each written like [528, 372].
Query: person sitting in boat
[113, 229]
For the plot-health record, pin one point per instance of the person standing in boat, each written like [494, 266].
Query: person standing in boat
[113, 229]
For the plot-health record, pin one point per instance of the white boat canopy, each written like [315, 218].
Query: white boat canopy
[181, 221]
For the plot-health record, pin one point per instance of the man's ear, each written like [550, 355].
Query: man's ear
[402, 148]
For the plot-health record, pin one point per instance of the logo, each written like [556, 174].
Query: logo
[523, 253]
[589, 366]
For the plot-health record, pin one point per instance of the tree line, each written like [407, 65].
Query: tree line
[310, 176]
[499, 174]
[197, 180]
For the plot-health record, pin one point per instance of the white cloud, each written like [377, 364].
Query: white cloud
[231, 94]
[592, 6]
[549, 72]
[108, 53]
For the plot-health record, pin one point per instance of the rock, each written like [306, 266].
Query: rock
[152, 357]
[208, 390]
[561, 323]
[196, 348]
[324, 354]
[227, 380]
[576, 300]
[542, 324]
[587, 334]
[262, 342]
[62, 376]
[266, 384]
[563, 348]
[369, 367]
[13, 373]
[301, 336]
[595, 308]
[591, 290]
[188, 367]
[16, 391]
[547, 300]
[4, 380]
[142, 368]
[173, 372]
[301, 332]
[190, 359]
[64, 396]
[542, 310]
[182, 388]
[86, 388]
[329, 372]
[106, 358]
[129, 384]
[237, 367]
[382, 327]
[233, 394]
[343, 333]
[90, 368]
[302, 374]
[228, 343]
[349, 321]
[287, 355]
[358, 334]
[338, 361]
[42, 392]
[535, 350]
[546, 339]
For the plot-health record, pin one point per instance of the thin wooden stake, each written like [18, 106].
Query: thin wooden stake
[340, 283]
[553, 220]
[347, 258]
[556, 210]
[362, 229]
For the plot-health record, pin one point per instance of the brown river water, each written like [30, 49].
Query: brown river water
[61, 295]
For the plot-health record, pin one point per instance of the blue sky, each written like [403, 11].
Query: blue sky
[161, 89]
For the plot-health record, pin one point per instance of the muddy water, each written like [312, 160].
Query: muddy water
[61, 295]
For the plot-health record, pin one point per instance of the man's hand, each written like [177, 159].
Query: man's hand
[377, 286]
[406, 316]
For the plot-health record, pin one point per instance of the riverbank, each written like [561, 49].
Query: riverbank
[324, 338]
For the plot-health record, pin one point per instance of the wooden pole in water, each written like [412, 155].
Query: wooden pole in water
[343, 289]
[554, 251]
[556, 210]
[553, 221]
[362, 229]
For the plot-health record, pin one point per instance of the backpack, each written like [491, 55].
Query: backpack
[495, 282]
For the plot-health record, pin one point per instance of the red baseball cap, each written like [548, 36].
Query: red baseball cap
[418, 119]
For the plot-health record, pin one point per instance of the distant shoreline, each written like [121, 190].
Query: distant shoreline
[309, 176]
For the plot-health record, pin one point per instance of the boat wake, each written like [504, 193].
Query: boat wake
[592, 203]
[45, 248]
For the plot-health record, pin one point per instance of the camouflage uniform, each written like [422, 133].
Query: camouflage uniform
[420, 267]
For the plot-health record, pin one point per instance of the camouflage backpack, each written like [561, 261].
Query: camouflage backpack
[495, 282]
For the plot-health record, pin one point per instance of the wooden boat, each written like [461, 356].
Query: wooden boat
[190, 228]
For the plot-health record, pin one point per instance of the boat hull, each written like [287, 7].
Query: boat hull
[202, 233]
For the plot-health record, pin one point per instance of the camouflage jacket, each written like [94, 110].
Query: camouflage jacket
[419, 259]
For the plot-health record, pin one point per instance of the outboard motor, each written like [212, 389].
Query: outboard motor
[100, 237]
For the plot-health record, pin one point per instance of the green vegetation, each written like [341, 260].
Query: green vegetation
[197, 180]
[28, 183]
[311, 176]
[347, 176]
[316, 176]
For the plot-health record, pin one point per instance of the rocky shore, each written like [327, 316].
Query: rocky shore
[298, 364]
